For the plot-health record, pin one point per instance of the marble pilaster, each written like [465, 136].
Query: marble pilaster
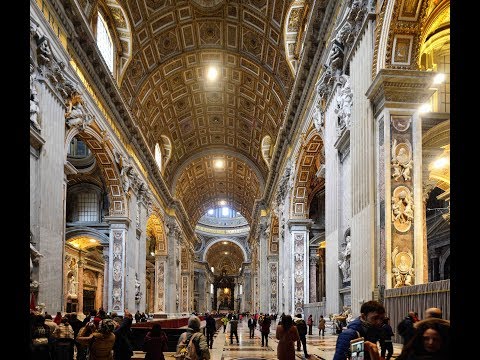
[117, 262]
[81, 265]
[299, 230]
[159, 285]
[396, 96]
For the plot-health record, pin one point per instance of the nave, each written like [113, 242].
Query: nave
[318, 347]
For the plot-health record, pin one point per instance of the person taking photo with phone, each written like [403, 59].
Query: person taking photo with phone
[367, 325]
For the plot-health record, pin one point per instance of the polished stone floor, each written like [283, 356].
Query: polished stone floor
[318, 347]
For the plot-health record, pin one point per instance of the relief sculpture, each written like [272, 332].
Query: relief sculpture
[402, 208]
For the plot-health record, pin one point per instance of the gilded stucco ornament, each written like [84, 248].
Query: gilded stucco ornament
[402, 162]
[402, 208]
[402, 270]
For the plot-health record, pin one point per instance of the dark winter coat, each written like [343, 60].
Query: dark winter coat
[354, 330]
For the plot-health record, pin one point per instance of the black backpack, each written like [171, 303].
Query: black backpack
[301, 327]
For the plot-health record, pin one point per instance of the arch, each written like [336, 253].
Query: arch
[396, 48]
[267, 149]
[79, 231]
[293, 32]
[155, 230]
[158, 156]
[120, 29]
[167, 150]
[216, 241]
[306, 181]
[93, 138]
[442, 261]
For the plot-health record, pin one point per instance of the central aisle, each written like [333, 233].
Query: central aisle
[319, 348]
[252, 348]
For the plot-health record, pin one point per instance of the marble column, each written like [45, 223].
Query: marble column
[81, 265]
[396, 96]
[313, 276]
[99, 291]
[215, 306]
[321, 275]
[106, 277]
[299, 250]
[263, 275]
[117, 262]
[141, 253]
[172, 268]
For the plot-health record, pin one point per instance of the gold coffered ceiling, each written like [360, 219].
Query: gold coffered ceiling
[174, 43]
[202, 186]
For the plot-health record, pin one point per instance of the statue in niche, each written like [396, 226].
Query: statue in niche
[318, 120]
[72, 290]
[344, 262]
[34, 256]
[138, 293]
[344, 103]
[402, 162]
[76, 115]
[44, 52]
[34, 108]
[336, 58]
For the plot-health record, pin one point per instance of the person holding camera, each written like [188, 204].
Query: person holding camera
[367, 325]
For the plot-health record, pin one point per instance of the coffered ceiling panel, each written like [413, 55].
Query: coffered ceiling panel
[202, 186]
[225, 255]
[166, 86]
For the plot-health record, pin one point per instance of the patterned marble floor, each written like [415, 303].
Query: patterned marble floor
[319, 348]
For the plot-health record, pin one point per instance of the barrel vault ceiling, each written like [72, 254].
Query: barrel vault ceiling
[173, 45]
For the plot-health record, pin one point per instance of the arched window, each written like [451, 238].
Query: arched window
[104, 41]
[84, 204]
[158, 156]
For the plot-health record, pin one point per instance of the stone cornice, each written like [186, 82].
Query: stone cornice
[300, 222]
[400, 88]
[83, 44]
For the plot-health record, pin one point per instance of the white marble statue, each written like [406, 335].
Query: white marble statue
[317, 118]
[138, 293]
[344, 262]
[72, 290]
[344, 103]
[76, 114]
[34, 108]
[34, 256]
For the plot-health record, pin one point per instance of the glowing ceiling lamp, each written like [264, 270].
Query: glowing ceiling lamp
[212, 73]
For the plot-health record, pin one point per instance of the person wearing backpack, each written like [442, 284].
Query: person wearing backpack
[405, 327]
[302, 332]
[310, 324]
[265, 329]
[193, 341]
[367, 325]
